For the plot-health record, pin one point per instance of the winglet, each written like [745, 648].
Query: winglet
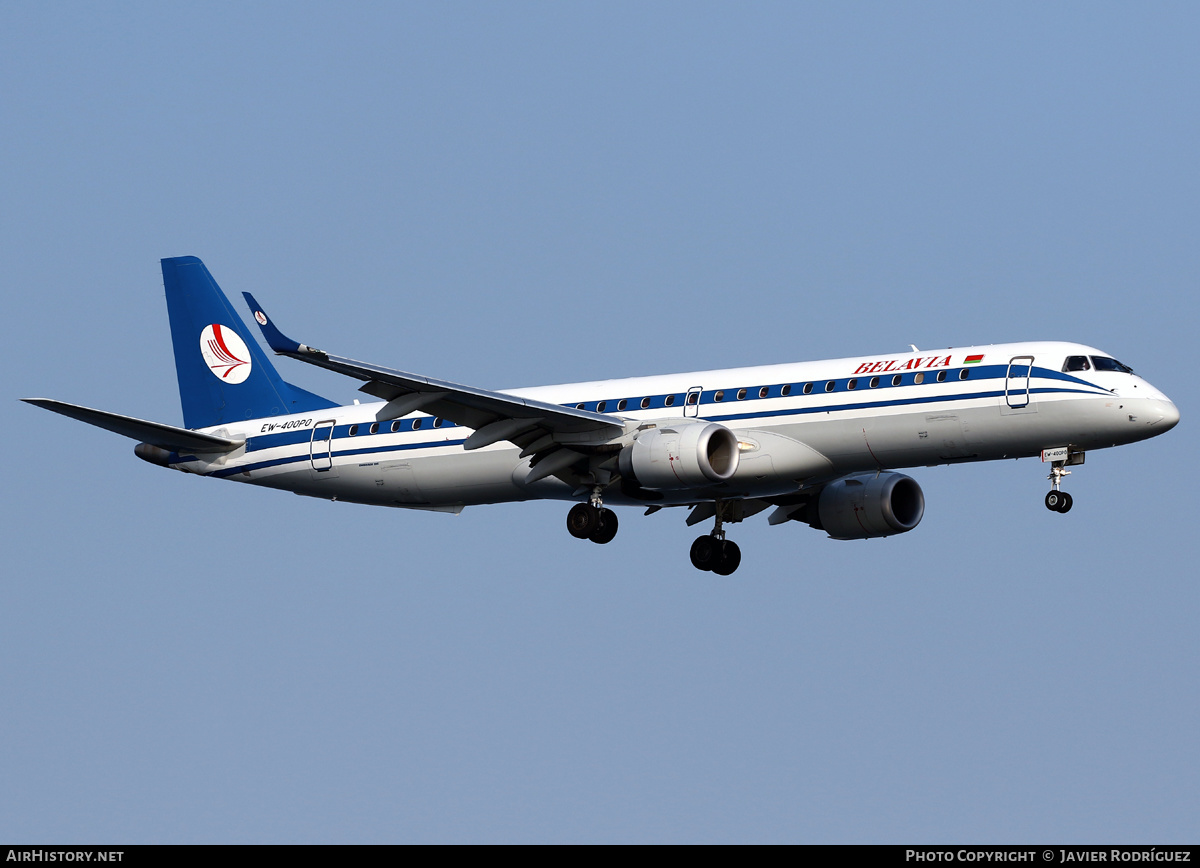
[276, 339]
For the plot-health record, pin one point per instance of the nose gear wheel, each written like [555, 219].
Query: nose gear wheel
[1056, 500]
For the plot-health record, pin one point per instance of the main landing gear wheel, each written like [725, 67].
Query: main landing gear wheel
[720, 556]
[583, 520]
[730, 559]
[705, 552]
[1058, 501]
[607, 528]
[596, 523]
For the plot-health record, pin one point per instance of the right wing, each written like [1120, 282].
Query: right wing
[536, 426]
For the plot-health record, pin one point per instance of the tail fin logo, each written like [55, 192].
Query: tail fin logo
[225, 353]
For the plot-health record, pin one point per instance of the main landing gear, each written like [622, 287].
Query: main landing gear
[592, 520]
[1058, 501]
[713, 553]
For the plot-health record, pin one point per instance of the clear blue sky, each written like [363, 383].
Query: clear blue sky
[513, 194]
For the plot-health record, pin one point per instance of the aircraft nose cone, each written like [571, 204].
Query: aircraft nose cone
[1169, 418]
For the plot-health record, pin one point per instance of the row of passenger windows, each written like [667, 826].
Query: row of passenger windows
[644, 404]
[408, 425]
[693, 398]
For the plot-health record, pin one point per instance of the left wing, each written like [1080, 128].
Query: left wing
[535, 426]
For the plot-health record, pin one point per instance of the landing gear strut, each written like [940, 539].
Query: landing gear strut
[713, 553]
[592, 520]
[1058, 501]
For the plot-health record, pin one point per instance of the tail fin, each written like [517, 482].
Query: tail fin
[223, 375]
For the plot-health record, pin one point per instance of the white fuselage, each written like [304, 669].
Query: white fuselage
[839, 415]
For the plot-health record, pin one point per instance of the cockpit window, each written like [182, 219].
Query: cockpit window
[1103, 363]
[1077, 363]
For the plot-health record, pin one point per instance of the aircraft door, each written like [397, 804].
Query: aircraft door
[321, 450]
[691, 402]
[1017, 383]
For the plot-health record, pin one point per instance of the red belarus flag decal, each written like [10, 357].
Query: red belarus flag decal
[973, 360]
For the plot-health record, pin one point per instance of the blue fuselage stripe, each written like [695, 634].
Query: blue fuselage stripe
[290, 438]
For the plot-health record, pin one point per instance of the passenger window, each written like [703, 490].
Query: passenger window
[437, 423]
[645, 403]
[600, 408]
[808, 388]
[785, 391]
[919, 378]
[579, 406]
[964, 373]
[395, 427]
[874, 382]
[353, 430]
[622, 404]
[896, 380]
[374, 427]
[1076, 363]
[693, 398]
[763, 392]
[941, 378]
[719, 396]
[670, 401]
[741, 395]
[853, 384]
[829, 386]
[416, 424]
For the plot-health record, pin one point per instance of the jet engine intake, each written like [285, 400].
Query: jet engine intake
[869, 505]
[692, 455]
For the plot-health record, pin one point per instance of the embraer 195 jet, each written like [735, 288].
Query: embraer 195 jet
[817, 442]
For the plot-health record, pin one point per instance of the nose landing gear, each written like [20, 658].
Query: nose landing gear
[1058, 501]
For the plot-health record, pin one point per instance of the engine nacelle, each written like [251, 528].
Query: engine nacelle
[868, 505]
[690, 455]
[153, 454]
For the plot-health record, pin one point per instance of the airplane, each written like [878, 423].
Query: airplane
[818, 443]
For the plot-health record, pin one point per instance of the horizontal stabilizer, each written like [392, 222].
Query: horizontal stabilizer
[155, 433]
